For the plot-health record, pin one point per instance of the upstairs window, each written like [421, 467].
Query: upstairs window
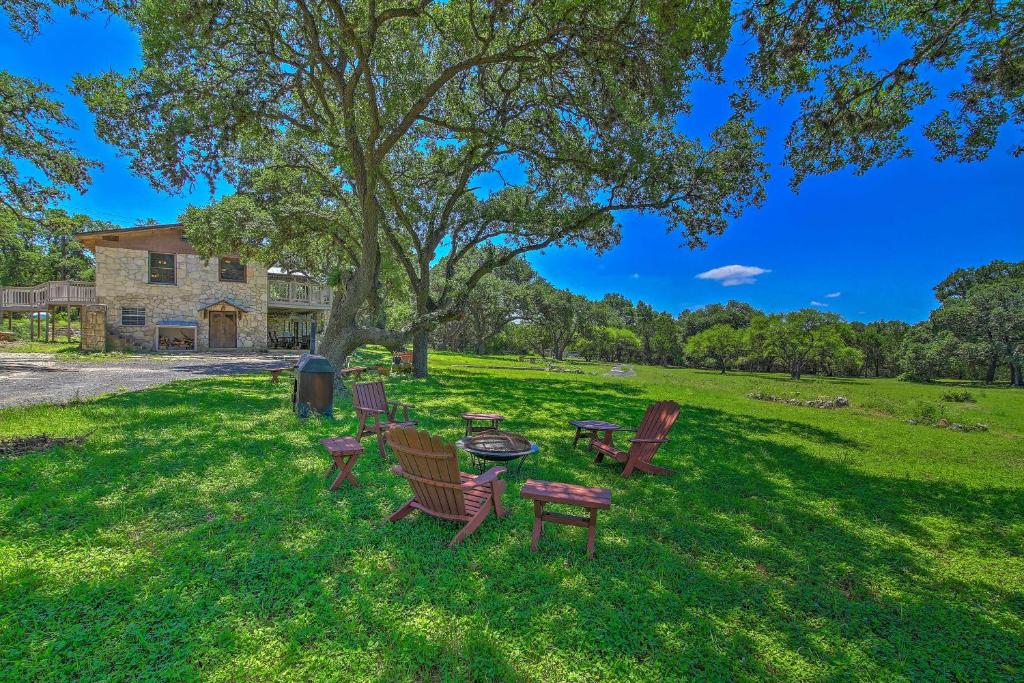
[161, 269]
[232, 270]
[133, 317]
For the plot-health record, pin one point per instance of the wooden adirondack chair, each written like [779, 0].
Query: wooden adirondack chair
[376, 413]
[652, 432]
[439, 488]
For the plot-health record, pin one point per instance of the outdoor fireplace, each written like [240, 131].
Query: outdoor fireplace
[176, 335]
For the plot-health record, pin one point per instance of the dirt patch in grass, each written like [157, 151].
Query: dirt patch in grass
[15, 448]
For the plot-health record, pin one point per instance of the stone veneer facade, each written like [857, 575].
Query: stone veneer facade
[122, 280]
[94, 328]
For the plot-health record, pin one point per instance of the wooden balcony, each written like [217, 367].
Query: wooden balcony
[42, 297]
[297, 294]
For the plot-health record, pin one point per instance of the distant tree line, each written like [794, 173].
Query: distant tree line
[976, 333]
[43, 248]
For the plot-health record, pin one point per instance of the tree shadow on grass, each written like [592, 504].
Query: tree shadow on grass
[201, 538]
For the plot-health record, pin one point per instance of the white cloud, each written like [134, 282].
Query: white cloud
[833, 295]
[730, 276]
[818, 303]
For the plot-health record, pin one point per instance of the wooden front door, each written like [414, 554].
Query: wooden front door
[223, 330]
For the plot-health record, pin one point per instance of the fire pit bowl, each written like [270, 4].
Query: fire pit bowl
[497, 446]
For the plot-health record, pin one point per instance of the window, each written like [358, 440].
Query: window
[232, 270]
[133, 317]
[161, 269]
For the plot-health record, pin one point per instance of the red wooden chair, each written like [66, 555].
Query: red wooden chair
[652, 432]
[439, 488]
[376, 413]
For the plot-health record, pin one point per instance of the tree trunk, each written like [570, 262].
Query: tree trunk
[794, 370]
[420, 350]
[990, 373]
[342, 335]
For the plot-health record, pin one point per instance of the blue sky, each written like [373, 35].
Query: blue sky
[880, 241]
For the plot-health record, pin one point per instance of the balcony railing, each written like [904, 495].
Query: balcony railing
[39, 297]
[296, 294]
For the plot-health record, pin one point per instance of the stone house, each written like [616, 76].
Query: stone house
[159, 294]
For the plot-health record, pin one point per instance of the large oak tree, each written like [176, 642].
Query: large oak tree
[327, 116]
[353, 128]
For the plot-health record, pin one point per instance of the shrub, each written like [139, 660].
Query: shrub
[926, 412]
[958, 397]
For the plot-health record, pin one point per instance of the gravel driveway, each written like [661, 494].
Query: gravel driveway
[27, 378]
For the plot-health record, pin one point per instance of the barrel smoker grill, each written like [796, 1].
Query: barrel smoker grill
[313, 387]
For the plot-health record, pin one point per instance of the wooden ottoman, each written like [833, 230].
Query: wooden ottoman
[591, 499]
[345, 451]
[492, 422]
[588, 429]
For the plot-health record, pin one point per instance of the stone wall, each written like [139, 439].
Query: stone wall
[94, 328]
[122, 280]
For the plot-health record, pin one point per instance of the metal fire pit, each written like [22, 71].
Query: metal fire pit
[497, 446]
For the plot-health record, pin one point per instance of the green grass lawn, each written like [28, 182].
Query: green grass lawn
[193, 536]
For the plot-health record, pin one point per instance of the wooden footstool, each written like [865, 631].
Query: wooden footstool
[345, 451]
[492, 420]
[588, 429]
[542, 492]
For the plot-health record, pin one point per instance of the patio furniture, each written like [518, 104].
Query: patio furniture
[493, 421]
[652, 432]
[376, 413]
[497, 446]
[543, 492]
[355, 373]
[589, 429]
[345, 451]
[439, 488]
[275, 374]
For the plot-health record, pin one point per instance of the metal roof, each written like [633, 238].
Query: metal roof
[229, 302]
[134, 228]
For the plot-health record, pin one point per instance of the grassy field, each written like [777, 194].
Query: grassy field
[192, 536]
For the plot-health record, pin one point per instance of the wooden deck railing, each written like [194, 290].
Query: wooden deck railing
[39, 297]
[293, 293]
[283, 292]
